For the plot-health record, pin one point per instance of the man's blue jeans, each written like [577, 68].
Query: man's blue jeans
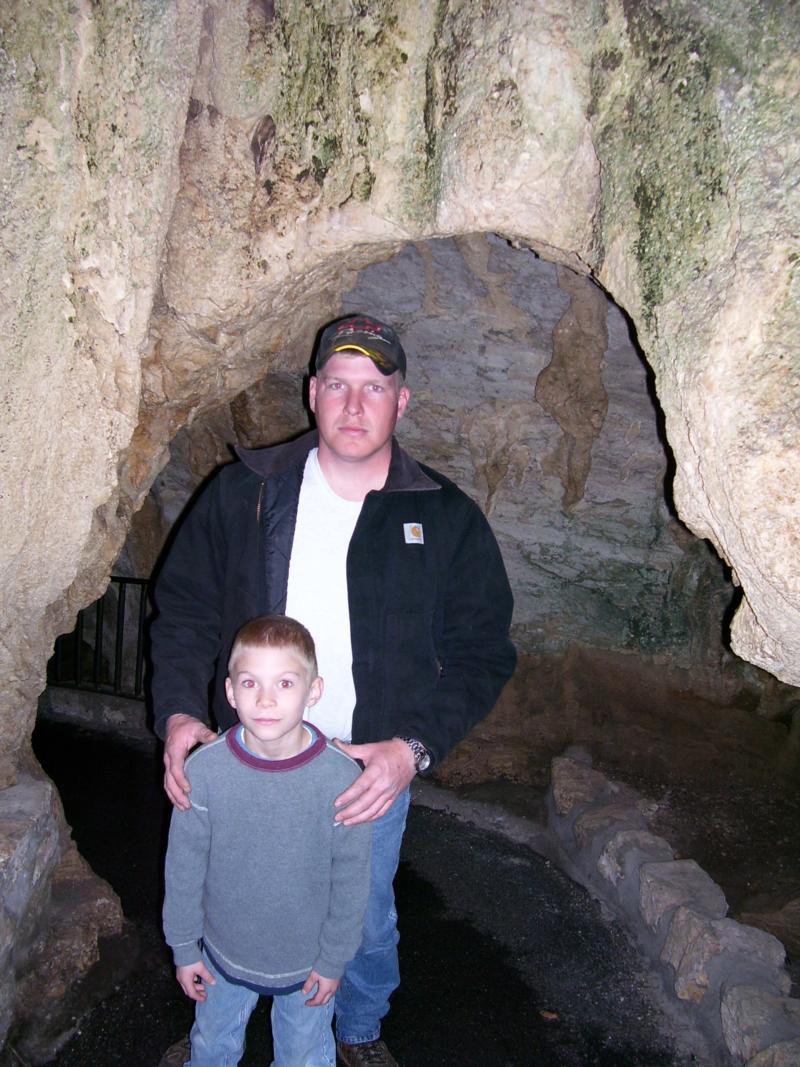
[301, 1036]
[371, 977]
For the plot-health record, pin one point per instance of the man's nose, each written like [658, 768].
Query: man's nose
[353, 402]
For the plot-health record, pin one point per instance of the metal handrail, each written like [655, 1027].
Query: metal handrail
[78, 663]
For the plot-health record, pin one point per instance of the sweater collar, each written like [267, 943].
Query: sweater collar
[405, 474]
[318, 743]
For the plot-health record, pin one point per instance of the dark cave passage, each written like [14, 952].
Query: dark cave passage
[504, 959]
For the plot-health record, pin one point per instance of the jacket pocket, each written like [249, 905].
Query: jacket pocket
[412, 669]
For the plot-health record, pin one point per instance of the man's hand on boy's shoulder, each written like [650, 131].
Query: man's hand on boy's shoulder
[191, 979]
[183, 733]
[326, 988]
[388, 768]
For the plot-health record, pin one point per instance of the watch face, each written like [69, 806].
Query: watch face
[423, 762]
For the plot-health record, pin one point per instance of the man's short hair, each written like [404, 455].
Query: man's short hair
[276, 631]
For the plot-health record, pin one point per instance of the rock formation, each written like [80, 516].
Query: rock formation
[189, 189]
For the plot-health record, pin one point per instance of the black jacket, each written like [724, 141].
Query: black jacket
[429, 622]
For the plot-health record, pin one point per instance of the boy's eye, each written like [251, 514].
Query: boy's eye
[286, 683]
[247, 683]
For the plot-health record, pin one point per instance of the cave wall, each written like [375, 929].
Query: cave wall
[528, 389]
[188, 189]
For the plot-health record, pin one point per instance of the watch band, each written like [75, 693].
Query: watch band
[422, 758]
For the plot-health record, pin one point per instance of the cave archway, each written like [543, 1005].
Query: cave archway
[528, 389]
[190, 189]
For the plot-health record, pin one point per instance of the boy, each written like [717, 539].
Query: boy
[265, 894]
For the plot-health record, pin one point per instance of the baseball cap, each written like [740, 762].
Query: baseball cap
[369, 337]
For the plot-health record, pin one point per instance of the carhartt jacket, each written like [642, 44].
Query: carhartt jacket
[430, 603]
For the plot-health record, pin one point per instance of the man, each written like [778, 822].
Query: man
[411, 629]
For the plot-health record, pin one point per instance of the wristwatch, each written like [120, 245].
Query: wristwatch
[422, 758]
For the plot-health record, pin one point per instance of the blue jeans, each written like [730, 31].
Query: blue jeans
[301, 1036]
[372, 976]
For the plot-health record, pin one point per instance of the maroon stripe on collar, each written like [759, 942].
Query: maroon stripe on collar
[240, 752]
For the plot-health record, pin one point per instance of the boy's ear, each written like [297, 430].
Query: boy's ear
[229, 693]
[314, 692]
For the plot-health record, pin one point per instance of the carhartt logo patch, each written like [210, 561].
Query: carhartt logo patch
[413, 532]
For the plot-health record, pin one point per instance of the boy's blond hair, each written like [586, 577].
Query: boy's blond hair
[276, 631]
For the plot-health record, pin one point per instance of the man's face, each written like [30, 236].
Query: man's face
[356, 406]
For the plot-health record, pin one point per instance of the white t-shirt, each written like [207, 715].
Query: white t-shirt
[317, 593]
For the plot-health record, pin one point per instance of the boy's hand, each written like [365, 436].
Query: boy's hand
[191, 979]
[183, 733]
[326, 988]
[388, 768]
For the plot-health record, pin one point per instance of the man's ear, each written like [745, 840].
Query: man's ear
[314, 692]
[229, 693]
[312, 393]
[403, 397]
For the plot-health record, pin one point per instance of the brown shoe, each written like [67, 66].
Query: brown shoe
[372, 1054]
[177, 1054]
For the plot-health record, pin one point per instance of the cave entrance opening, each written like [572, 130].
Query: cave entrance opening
[530, 392]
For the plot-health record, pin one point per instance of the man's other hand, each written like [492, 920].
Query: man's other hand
[183, 733]
[388, 768]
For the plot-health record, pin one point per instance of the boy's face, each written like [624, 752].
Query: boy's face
[270, 688]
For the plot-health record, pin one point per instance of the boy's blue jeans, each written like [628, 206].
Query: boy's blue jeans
[301, 1036]
[372, 976]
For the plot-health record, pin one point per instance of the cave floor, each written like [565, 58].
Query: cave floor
[724, 789]
[482, 982]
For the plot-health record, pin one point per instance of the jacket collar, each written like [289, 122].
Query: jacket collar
[405, 474]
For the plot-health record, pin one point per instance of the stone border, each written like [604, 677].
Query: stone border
[734, 976]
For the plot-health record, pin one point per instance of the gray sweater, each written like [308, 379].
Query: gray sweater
[258, 869]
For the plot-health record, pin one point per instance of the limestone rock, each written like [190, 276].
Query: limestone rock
[29, 851]
[629, 849]
[665, 886]
[81, 923]
[7, 990]
[781, 1054]
[30, 845]
[580, 340]
[736, 310]
[574, 785]
[754, 1020]
[694, 941]
[595, 823]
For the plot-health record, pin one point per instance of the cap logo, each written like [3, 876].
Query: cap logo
[376, 357]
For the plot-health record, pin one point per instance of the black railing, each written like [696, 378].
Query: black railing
[105, 651]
